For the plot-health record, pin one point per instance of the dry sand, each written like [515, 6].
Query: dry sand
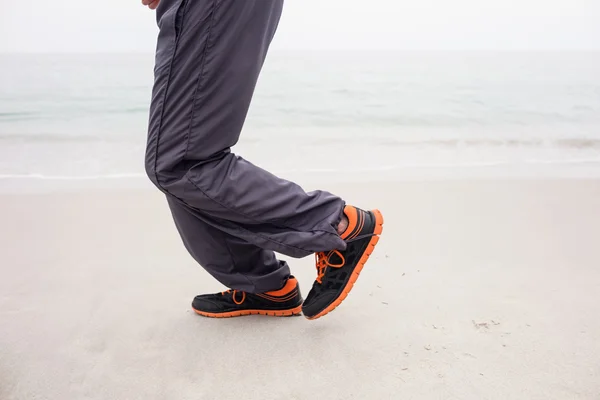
[478, 290]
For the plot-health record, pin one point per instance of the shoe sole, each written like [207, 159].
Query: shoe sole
[359, 267]
[271, 313]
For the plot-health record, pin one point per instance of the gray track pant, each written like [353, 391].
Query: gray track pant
[232, 215]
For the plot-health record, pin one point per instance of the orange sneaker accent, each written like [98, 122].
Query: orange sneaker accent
[279, 299]
[289, 286]
[361, 263]
[281, 313]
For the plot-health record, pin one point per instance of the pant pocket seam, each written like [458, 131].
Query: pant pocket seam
[204, 55]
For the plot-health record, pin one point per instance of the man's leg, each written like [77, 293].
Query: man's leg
[232, 261]
[209, 56]
[208, 59]
[261, 284]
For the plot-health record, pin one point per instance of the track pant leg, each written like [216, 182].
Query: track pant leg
[208, 59]
[232, 261]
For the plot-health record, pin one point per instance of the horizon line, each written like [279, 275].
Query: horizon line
[316, 50]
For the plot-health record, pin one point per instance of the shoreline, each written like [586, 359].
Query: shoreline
[38, 183]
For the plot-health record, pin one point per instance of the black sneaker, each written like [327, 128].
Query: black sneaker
[338, 270]
[284, 302]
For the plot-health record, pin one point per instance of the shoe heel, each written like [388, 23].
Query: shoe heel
[378, 222]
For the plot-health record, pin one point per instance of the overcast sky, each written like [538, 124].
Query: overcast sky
[125, 25]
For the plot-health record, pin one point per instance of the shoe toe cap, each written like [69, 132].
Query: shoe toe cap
[318, 301]
[204, 304]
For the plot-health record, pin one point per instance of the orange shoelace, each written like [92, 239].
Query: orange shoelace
[233, 293]
[322, 260]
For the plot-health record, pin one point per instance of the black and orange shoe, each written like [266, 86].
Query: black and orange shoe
[338, 270]
[284, 302]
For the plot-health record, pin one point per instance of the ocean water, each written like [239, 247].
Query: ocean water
[79, 117]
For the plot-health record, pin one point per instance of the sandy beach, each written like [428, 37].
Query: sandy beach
[481, 289]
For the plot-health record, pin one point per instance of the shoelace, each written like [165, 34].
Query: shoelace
[322, 260]
[233, 293]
